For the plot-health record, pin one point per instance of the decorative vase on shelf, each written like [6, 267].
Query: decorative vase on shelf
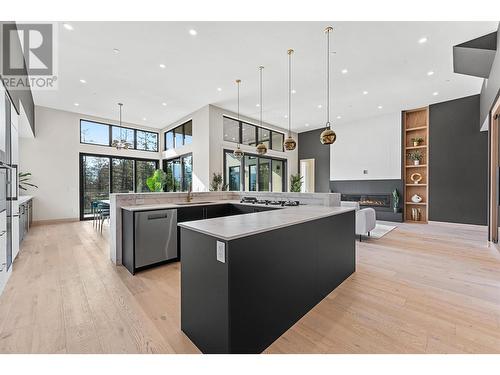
[416, 178]
[416, 162]
[415, 214]
[416, 198]
[415, 144]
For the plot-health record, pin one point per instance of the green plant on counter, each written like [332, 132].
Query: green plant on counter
[217, 183]
[24, 177]
[157, 181]
[296, 183]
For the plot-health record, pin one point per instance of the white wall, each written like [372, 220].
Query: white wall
[372, 144]
[53, 159]
[200, 147]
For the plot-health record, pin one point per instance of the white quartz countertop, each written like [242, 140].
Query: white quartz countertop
[237, 226]
[24, 198]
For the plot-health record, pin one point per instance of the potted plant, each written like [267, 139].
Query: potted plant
[417, 141]
[24, 181]
[416, 156]
[395, 200]
[157, 181]
[295, 183]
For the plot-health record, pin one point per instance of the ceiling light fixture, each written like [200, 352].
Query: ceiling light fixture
[430, 72]
[261, 147]
[164, 104]
[339, 117]
[76, 104]
[294, 92]
[238, 154]
[163, 66]
[365, 92]
[380, 107]
[306, 125]
[83, 81]
[320, 106]
[144, 119]
[435, 93]
[422, 40]
[67, 26]
[219, 89]
[193, 32]
[289, 143]
[122, 142]
[328, 136]
[344, 71]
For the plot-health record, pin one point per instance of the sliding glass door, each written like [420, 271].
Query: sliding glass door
[254, 173]
[94, 183]
[101, 175]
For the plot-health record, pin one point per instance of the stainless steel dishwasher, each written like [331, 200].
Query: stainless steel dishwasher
[155, 237]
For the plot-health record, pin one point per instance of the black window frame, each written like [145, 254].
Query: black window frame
[257, 127]
[110, 135]
[181, 158]
[110, 158]
[174, 131]
[242, 170]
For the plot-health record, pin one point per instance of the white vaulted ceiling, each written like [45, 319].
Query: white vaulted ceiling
[383, 58]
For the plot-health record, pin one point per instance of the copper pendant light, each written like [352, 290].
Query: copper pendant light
[261, 147]
[238, 154]
[290, 143]
[328, 136]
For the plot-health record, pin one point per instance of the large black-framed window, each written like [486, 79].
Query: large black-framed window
[251, 135]
[254, 173]
[101, 175]
[101, 134]
[179, 172]
[179, 136]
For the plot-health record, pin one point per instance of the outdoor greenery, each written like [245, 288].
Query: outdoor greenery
[157, 181]
[217, 183]
[296, 183]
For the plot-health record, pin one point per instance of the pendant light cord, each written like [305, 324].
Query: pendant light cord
[328, 30]
[260, 79]
[290, 51]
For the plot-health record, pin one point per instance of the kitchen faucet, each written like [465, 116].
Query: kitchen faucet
[189, 196]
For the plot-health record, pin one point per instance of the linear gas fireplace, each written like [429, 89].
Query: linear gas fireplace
[369, 200]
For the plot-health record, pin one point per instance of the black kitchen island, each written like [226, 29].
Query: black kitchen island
[247, 279]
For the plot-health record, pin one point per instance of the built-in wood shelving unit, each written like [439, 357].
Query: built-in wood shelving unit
[415, 125]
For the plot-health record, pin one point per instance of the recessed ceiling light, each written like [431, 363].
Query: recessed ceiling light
[422, 40]
[306, 125]
[430, 72]
[116, 50]
[219, 89]
[225, 135]
[365, 92]
[293, 91]
[320, 106]
[67, 26]
[164, 104]
[286, 116]
[163, 66]
[234, 138]
[83, 81]
[380, 107]
[144, 119]
[193, 32]
[344, 71]
[339, 117]
[435, 93]
[257, 105]
[76, 104]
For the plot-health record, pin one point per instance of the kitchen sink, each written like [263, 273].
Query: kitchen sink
[190, 203]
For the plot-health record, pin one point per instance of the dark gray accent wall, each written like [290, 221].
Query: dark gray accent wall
[458, 163]
[310, 147]
[21, 96]
[491, 87]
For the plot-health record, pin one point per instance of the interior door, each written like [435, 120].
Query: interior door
[494, 164]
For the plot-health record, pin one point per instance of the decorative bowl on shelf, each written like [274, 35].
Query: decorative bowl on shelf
[416, 198]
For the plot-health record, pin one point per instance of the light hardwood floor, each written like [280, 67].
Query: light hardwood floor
[420, 289]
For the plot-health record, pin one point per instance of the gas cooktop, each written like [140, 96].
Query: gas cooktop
[269, 202]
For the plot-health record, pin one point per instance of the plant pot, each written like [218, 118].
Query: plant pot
[395, 209]
[416, 162]
[415, 144]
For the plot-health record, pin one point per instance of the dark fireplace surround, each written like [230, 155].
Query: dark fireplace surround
[376, 194]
